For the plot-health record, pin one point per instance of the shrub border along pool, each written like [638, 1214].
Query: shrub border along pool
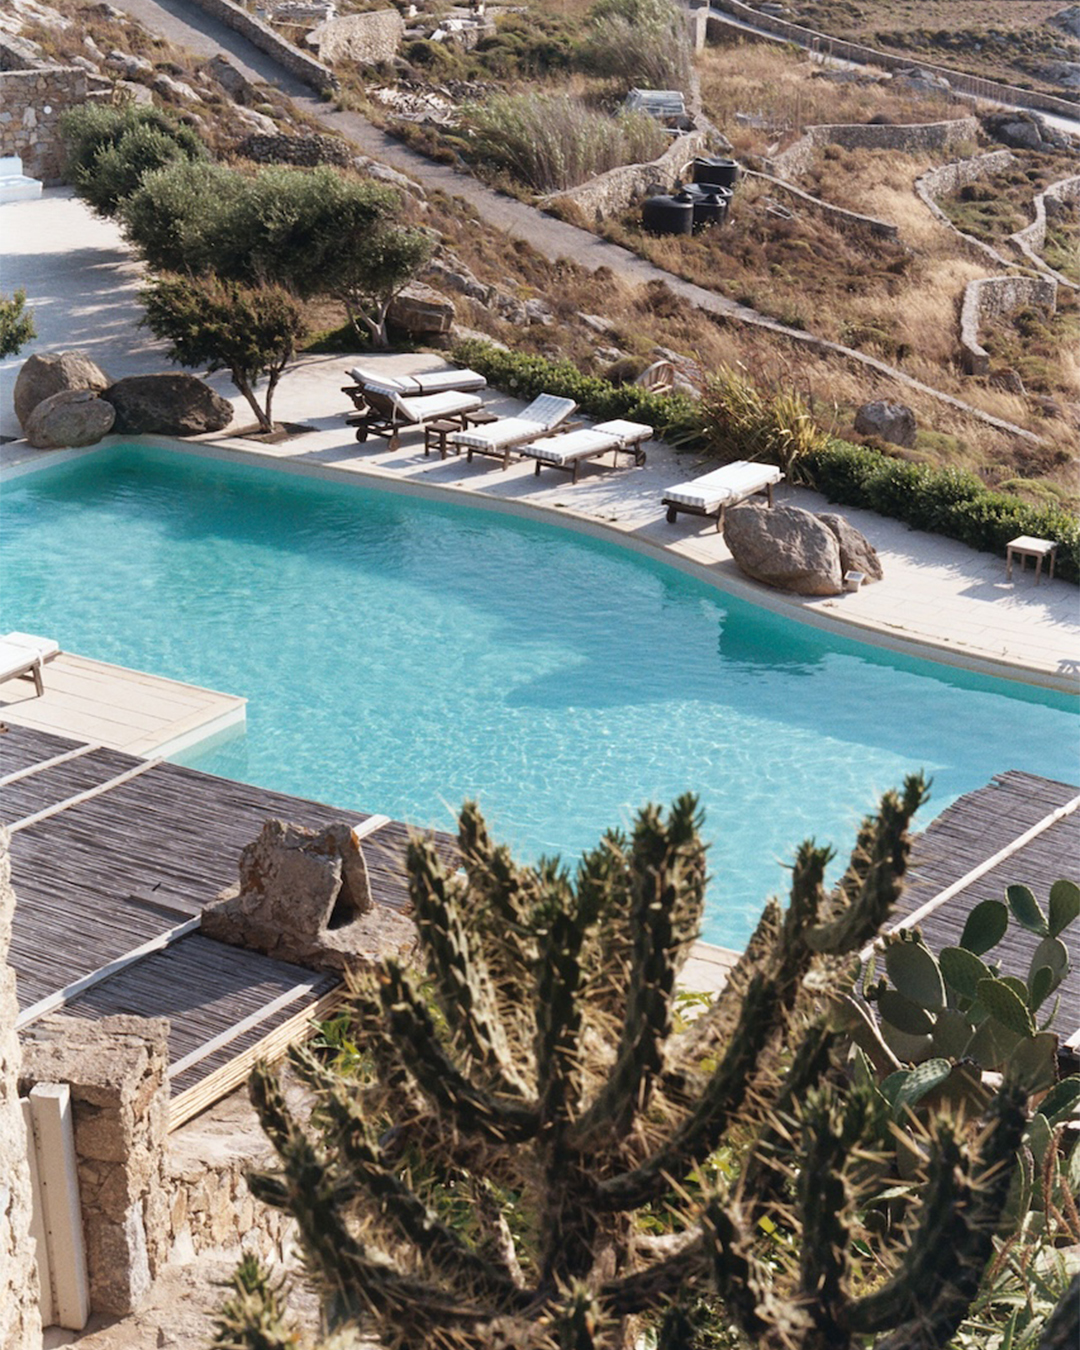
[949, 502]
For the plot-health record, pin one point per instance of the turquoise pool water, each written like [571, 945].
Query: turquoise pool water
[400, 655]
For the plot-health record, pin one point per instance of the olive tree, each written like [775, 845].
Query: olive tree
[16, 324]
[250, 331]
[109, 149]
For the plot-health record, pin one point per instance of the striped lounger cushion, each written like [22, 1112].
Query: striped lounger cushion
[571, 445]
[734, 481]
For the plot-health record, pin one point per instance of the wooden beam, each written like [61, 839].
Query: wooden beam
[54, 1140]
[46, 1302]
[98, 790]
[238, 1029]
[43, 764]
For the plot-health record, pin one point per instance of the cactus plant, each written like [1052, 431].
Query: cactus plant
[533, 1071]
[937, 1010]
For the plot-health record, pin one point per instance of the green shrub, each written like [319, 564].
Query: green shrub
[942, 501]
[675, 416]
[743, 421]
[110, 149]
[554, 141]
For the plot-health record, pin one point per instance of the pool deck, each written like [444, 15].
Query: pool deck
[939, 599]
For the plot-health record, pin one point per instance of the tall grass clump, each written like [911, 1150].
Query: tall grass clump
[742, 420]
[640, 43]
[554, 141]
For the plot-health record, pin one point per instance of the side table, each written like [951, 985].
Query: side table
[1024, 547]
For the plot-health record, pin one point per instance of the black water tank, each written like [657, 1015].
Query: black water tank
[710, 209]
[716, 171]
[669, 215]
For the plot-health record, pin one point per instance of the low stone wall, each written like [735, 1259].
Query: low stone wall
[615, 190]
[1031, 240]
[298, 63]
[116, 1070]
[947, 178]
[836, 215]
[31, 102]
[910, 138]
[210, 1207]
[989, 298]
[20, 1315]
[366, 39]
[963, 83]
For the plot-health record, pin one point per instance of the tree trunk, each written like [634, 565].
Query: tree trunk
[244, 385]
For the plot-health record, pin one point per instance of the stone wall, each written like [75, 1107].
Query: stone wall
[116, 1070]
[261, 35]
[1031, 240]
[948, 178]
[614, 191]
[20, 1316]
[210, 1207]
[912, 138]
[31, 102]
[989, 298]
[366, 39]
[836, 215]
[972, 85]
[304, 150]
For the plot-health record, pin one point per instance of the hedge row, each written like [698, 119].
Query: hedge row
[941, 501]
[675, 416]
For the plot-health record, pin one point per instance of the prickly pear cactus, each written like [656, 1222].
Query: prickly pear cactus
[935, 1010]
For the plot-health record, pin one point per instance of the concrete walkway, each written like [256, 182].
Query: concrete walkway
[938, 598]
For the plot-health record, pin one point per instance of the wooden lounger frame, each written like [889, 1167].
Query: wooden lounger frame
[673, 508]
[633, 448]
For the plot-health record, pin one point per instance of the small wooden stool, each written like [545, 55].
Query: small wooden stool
[1024, 547]
[435, 434]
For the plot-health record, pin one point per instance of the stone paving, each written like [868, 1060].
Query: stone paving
[938, 597]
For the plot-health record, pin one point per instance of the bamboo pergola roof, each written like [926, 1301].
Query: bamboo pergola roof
[1018, 830]
[113, 859]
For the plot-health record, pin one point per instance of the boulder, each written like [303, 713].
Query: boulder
[50, 373]
[893, 422]
[385, 174]
[71, 418]
[169, 405]
[785, 547]
[857, 553]
[304, 896]
[420, 309]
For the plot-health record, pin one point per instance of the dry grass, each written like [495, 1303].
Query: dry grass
[998, 39]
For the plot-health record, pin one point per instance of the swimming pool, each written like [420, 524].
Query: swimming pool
[399, 655]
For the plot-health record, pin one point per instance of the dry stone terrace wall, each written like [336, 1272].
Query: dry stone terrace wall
[613, 191]
[20, 1317]
[948, 178]
[364, 38]
[31, 102]
[1031, 240]
[836, 215]
[991, 297]
[911, 138]
[261, 35]
[973, 85]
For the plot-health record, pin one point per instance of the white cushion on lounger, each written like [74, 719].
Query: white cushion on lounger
[549, 410]
[502, 432]
[427, 407]
[37, 646]
[427, 382]
[627, 432]
[722, 485]
[570, 445]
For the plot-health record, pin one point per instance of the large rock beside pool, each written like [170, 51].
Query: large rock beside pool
[785, 547]
[52, 373]
[857, 553]
[167, 405]
[69, 419]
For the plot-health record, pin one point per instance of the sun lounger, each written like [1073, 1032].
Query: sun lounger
[388, 412]
[712, 493]
[501, 438]
[427, 382]
[24, 654]
[568, 450]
